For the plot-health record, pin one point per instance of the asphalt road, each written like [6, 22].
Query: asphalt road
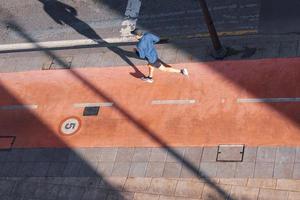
[49, 20]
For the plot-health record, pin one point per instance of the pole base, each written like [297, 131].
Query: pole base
[220, 54]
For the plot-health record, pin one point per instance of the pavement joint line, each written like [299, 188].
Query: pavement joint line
[268, 100]
[178, 102]
[103, 104]
[19, 107]
[107, 41]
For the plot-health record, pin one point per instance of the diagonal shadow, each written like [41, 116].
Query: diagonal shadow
[235, 74]
[33, 172]
[63, 13]
[142, 127]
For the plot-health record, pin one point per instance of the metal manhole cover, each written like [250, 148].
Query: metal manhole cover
[230, 152]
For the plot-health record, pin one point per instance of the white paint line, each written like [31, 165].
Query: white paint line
[131, 15]
[61, 44]
[19, 107]
[269, 100]
[178, 102]
[82, 105]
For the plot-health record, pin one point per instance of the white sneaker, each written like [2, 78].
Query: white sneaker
[147, 79]
[184, 72]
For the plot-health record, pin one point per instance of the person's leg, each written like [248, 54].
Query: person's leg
[151, 70]
[169, 69]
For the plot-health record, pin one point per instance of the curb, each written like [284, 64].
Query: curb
[6, 48]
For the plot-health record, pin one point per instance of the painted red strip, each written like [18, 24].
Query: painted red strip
[6, 142]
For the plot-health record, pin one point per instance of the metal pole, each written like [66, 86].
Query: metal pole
[220, 52]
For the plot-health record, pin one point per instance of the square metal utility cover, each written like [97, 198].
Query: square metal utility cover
[61, 63]
[91, 111]
[6, 142]
[230, 153]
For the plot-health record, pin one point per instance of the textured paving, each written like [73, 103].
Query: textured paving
[112, 172]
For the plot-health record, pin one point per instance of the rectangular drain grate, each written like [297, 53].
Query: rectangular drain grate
[6, 142]
[91, 110]
[230, 153]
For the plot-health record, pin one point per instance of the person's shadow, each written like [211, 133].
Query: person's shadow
[64, 14]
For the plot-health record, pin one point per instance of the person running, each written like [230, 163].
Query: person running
[146, 50]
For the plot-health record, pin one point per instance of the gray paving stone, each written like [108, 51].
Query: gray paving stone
[208, 169]
[298, 49]
[72, 169]
[172, 170]
[49, 191]
[25, 188]
[105, 168]
[6, 187]
[264, 170]
[288, 49]
[250, 154]
[108, 154]
[124, 154]
[209, 154]
[138, 169]
[95, 194]
[297, 159]
[120, 196]
[168, 55]
[183, 56]
[82, 181]
[283, 170]
[15, 155]
[141, 154]
[296, 171]
[285, 155]
[108, 59]
[92, 154]
[9, 169]
[52, 155]
[198, 53]
[245, 170]
[155, 169]
[93, 60]
[187, 173]
[226, 169]
[88, 169]
[158, 155]
[56, 169]
[70, 193]
[79, 60]
[193, 155]
[179, 152]
[266, 154]
[36, 63]
[76, 155]
[121, 169]
[268, 194]
[36, 169]
[11, 197]
[271, 50]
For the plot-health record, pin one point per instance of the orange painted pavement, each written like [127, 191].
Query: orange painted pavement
[133, 121]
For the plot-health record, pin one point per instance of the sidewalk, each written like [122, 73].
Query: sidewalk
[106, 161]
[176, 51]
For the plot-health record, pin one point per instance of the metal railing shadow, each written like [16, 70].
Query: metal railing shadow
[146, 131]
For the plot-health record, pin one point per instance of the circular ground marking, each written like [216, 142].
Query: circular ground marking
[70, 126]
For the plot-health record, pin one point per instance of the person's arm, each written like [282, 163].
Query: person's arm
[140, 52]
[155, 38]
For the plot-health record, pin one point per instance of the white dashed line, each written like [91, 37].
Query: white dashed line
[269, 100]
[82, 105]
[178, 102]
[19, 107]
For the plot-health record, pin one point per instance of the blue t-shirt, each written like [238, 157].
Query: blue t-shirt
[146, 47]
